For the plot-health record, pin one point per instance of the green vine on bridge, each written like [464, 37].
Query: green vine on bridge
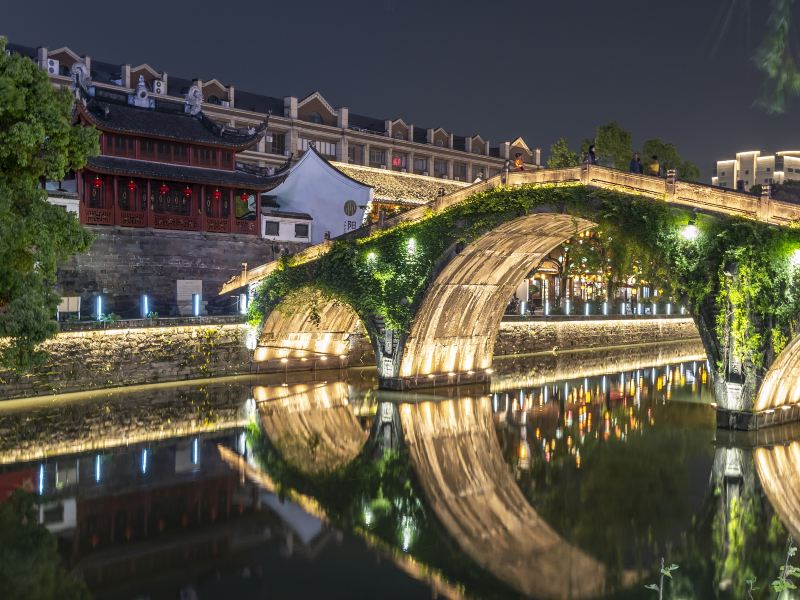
[386, 274]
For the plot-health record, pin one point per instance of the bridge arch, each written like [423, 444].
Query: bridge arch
[455, 327]
[308, 325]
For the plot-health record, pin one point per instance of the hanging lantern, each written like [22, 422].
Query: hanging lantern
[245, 196]
[163, 189]
[187, 192]
[216, 194]
[132, 186]
[97, 183]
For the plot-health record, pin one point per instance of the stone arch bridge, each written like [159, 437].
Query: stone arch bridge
[452, 333]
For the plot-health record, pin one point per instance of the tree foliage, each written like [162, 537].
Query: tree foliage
[561, 156]
[37, 140]
[30, 566]
[775, 58]
[669, 158]
[613, 145]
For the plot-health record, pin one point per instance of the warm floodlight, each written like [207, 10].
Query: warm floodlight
[690, 232]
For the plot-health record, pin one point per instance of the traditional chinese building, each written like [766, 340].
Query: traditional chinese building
[166, 165]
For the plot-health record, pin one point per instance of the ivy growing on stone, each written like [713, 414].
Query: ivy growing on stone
[737, 276]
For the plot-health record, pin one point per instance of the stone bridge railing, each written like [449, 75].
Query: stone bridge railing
[704, 198]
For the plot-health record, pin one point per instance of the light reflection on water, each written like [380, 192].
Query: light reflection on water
[609, 471]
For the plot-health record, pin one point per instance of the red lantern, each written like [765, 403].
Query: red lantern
[245, 196]
[97, 183]
[163, 189]
[187, 192]
[132, 186]
[216, 194]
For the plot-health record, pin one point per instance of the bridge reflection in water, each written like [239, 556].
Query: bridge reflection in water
[453, 448]
[562, 483]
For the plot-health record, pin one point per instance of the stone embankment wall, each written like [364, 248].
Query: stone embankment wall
[137, 352]
[527, 337]
[82, 360]
[124, 263]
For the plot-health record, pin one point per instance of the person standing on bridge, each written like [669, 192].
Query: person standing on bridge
[654, 168]
[591, 157]
[636, 164]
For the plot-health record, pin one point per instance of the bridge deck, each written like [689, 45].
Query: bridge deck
[692, 195]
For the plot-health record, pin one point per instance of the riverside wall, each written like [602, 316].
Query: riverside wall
[141, 352]
[571, 333]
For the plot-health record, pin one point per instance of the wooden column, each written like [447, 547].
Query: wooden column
[231, 211]
[117, 216]
[203, 222]
[150, 220]
[81, 189]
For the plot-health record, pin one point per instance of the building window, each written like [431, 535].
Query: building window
[206, 157]
[460, 171]
[227, 158]
[723, 173]
[272, 227]
[477, 149]
[164, 151]
[478, 171]
[420, 166]
[440, 168]
[180, 153]
[301, 230]
[147, 150]
[355, 154]
[279, 143]
[768, 169]
[324, 148]
[399, 162]
[747, 171]
[315, 117]
[377, 157]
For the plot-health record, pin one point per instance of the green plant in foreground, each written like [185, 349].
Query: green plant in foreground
[665, 572]
[787, 572]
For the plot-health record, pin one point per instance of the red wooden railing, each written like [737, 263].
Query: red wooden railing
[250, 227]
[100, 216]
[132, 218]
[217, 225]
[179, 222]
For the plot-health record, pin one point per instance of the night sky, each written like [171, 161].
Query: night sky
[532, 68]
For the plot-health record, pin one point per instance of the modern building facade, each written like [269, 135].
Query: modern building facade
[751, 168]
[296, 122]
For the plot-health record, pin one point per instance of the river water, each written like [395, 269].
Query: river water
[571, 476]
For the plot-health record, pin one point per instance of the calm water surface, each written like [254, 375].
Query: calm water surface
[561, 480]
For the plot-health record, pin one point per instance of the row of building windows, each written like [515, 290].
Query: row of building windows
[301, 230]
[324, 148]
[162, 151]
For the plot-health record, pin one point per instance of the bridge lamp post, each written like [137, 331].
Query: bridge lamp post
[669, 308]
[605, 309]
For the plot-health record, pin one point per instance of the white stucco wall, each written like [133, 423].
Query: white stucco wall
[315, 187]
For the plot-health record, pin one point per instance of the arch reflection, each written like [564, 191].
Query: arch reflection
[454, 451]
[312, 425]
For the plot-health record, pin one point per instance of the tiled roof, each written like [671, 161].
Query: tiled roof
[130, 167]
[402, 188]
[167, 121]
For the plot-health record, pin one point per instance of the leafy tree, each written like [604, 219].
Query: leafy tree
[37, 140]
[30, 566]
[776, 60]
[669, 158]
[561, 155]
[613, 145]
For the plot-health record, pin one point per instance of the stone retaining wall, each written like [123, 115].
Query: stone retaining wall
[123, 356]
[81, 360]
[525, 337]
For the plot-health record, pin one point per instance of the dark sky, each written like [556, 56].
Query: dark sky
[536, 68]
